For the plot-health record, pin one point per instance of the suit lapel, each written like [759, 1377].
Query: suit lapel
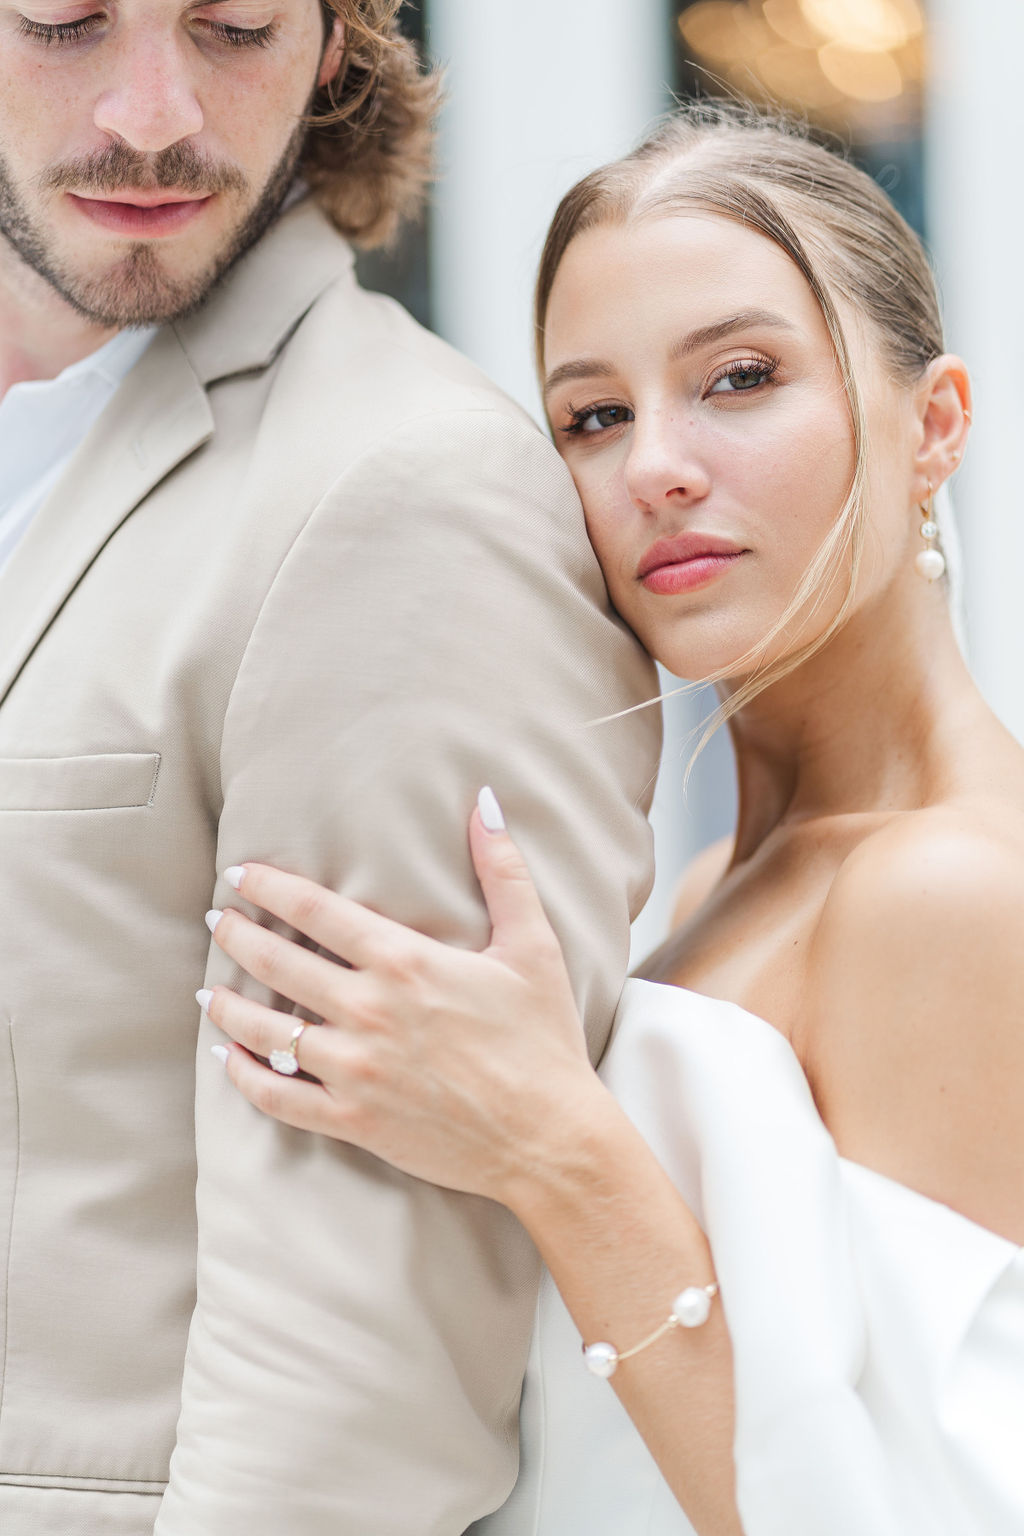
[157, 418]
[247, 321]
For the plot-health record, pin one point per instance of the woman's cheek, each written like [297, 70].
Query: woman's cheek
[613, 522]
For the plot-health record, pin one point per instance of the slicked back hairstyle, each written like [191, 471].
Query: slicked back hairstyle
[368, 152]
[763, 171]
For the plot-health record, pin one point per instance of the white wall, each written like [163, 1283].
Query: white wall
[685, 824]
[976, 219]
[540, 93]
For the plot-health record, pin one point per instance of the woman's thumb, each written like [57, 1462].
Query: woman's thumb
[517, 917]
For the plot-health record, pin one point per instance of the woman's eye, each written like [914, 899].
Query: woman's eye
[58, 32]
[742, 377]
[597, 418]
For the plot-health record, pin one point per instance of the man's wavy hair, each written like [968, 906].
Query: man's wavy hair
[368, 153]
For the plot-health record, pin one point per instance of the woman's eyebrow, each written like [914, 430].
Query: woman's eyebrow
[581, 368]
[718, 330]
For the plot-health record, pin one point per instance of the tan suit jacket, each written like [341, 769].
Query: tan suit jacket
[309, 582]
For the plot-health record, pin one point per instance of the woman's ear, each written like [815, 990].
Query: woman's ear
[332, 56]
[944, 412]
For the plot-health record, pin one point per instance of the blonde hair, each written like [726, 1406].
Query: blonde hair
[368, 151]
[762, 170]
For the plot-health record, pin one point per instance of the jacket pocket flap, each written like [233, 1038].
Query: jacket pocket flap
[107, 781]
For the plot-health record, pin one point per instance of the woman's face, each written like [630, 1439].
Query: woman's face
[694, 393]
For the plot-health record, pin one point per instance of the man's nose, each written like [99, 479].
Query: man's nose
[664, 464]
[150, 100]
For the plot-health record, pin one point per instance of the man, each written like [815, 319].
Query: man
[282, 578]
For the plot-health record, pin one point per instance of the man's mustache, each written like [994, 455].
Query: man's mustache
[119, 168]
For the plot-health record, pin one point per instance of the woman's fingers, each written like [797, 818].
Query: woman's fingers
[263, 1030]
[283, 966]
[429, 1056]
[340, 925]
[518, 919]
[307, 1106]
[374, 945]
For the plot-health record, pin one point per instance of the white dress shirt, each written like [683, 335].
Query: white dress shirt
[43, 421]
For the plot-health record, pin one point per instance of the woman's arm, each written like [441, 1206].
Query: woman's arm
[470, 1070]
[621, 1244]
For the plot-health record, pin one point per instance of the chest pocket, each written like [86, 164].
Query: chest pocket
[107, 781]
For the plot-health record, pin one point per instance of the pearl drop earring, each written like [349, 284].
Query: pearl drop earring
[931, 563]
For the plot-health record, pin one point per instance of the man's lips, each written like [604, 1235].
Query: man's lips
[156, 197]
[141, 214]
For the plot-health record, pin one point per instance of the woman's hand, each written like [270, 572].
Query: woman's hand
[464, 1069]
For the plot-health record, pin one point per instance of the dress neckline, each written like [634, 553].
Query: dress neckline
[858, 1169]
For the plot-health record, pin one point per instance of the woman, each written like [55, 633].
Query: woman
[815, 1106]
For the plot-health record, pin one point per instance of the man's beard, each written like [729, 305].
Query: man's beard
[139, 288]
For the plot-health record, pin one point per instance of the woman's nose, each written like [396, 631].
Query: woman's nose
[663, 465]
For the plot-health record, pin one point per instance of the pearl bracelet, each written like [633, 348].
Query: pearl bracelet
[690, 1309]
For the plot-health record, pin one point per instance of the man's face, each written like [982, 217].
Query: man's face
[145, 144]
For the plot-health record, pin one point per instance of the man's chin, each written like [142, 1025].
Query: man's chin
[147, 287]
[139, 290]
[152, 283]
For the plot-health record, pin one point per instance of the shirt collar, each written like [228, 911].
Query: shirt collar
[42, 421]
[110, 362]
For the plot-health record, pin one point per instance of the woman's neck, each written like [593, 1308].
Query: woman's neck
[873, 724]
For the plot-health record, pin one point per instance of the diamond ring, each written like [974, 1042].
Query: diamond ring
[287, 1061]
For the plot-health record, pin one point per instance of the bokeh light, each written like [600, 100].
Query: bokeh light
[846, 62]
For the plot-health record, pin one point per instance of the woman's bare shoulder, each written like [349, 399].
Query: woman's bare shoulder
[913, 1028]
[939, 853]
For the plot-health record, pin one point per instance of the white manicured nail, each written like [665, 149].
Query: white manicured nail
[234, 876]
[212, 919]
[490, 810]
[221, 1053]
[204, 997]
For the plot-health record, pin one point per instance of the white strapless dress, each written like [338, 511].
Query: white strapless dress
[878, 1336]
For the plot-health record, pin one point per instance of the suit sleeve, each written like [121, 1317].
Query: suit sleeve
[359, 1339]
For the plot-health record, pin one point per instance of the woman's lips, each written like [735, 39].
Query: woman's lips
[689, 560]
[139, 220]
[685, 575]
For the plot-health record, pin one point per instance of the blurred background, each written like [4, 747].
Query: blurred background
[923, 93]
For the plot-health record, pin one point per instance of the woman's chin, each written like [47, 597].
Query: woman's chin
[727, 668]
[728, 659]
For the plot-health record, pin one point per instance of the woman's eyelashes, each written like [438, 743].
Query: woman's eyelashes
[590, 420]
[743, 376]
